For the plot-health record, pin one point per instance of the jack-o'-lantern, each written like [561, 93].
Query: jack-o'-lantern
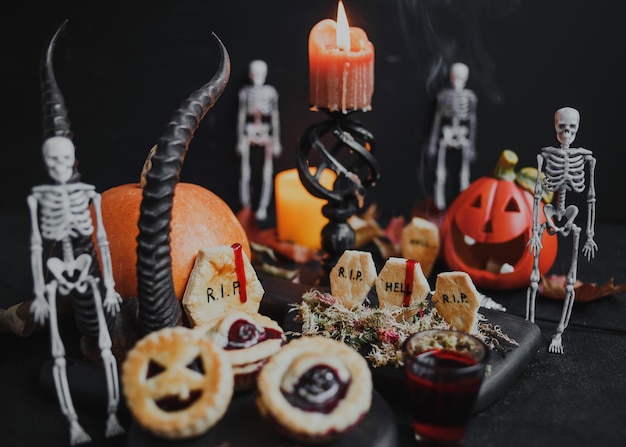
[487, 227]
[177, 382]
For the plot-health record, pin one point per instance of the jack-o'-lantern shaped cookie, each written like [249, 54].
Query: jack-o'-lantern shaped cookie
[315, 389]
[177, 383]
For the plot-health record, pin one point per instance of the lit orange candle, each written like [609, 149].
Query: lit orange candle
[299, 215]
[341, 65]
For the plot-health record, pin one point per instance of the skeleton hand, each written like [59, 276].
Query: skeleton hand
[277, 148]
[242, 146]
[590, 248]
[112, 301]
[40, 309]
[535, 244]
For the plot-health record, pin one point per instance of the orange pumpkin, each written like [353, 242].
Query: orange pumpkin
[200, 219]
[487, 227]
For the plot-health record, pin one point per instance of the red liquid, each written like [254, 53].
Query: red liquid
[441, 405]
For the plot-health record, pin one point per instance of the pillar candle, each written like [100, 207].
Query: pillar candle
[299, 215]
[341, 66]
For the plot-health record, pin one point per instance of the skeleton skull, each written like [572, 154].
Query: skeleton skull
[566, 121]
[258, 72]
[459, 73]
[59, 156]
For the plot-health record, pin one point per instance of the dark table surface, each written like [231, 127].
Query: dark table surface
[574, 399]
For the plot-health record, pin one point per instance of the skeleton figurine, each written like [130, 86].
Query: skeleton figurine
[454, 127]
[564, 170]
[61, 219]
[258, 125]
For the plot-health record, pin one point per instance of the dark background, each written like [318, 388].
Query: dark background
[124, 67]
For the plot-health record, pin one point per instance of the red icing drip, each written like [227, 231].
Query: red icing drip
[409, 273]
[240, 269]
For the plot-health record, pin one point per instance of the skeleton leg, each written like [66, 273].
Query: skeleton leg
[59, 372]
[244, 181]
[556, 346]
[465, 169]
[113, 427]
[440, 176]
[266, 190]
[531, 293]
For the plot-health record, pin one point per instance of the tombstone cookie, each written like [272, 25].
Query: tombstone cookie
[352, 277]
[420, 241]
[222, 281]
[402, 283]
[457, 300]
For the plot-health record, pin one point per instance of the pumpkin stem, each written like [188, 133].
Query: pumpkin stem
[505, 167]
[146, 167]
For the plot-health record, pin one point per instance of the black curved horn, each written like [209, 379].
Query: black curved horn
[55, 121]
[158, 305]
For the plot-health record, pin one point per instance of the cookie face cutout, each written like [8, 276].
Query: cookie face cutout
[222, 281]
[315, 389]
[177, 383]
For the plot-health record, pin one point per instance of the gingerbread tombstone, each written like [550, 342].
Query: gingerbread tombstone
[402, 283]
[352, 277]
[457, 300]
[221, 281]
[420, 241]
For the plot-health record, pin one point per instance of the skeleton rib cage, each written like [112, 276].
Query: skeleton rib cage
[565, 169]
[64, 210]
[457, 104]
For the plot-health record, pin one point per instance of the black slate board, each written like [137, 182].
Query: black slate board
[389, 381]
[505, 367]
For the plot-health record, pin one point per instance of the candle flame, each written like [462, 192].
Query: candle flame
[343, 29]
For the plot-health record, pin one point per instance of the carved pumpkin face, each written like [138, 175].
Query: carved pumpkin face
[177, 382]
[487, 228]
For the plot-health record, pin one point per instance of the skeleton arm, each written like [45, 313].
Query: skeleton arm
[112, 299]
[276, 146]
[590, 247]
[472, 127]
[242, 140]
[535, 240]
[39, 307]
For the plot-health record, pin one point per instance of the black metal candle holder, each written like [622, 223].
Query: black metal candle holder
[343, 145]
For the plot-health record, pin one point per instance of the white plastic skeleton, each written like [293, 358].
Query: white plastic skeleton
[564, 170]
[60, 214]
[258, 125]
[454, 127]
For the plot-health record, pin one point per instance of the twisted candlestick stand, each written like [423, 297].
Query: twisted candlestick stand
[343, 145]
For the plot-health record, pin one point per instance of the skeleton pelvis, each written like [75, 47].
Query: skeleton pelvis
[554, 217]
[71, 275]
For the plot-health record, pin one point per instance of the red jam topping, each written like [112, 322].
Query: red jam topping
[243, 334]
[319, 390]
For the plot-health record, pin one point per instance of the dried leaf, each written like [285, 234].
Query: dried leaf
[553, 286]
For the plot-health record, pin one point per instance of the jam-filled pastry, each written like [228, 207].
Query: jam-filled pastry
[177, 383]
[315, 389]
[249, 340]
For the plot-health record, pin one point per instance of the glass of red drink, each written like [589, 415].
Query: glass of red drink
[444, 370]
